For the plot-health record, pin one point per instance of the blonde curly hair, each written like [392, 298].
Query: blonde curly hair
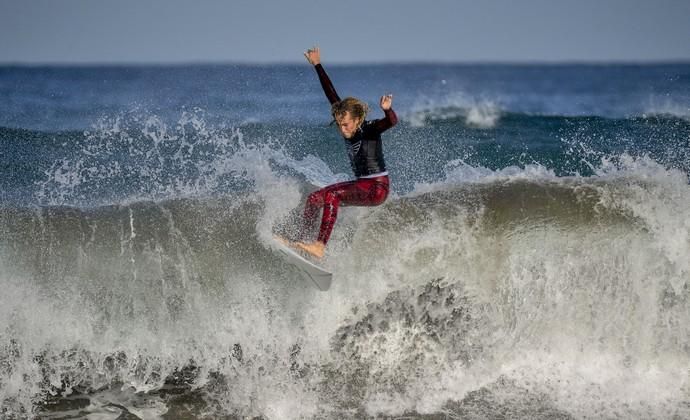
[357, 109]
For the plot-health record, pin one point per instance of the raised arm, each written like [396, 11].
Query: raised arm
[390, 118]
[313, 55]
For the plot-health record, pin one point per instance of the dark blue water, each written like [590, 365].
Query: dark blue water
[67, 98]
[532, 261]
[491, 116]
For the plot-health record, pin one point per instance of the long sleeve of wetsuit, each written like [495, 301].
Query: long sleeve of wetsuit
[387, 122]
[326, 84]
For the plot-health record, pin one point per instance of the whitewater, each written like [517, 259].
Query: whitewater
[531, 262]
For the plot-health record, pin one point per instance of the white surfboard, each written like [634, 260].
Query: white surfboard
[307, 269]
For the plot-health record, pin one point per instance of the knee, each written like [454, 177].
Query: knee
[379, 196]
[331, 198]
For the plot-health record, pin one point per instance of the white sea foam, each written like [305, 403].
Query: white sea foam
[574, 313]
[478, 113]
[664, 106]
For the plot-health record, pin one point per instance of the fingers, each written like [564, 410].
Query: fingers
[312, 54]
[386, 101]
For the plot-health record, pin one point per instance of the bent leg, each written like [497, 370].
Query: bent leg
[362, 192]
[366, 192]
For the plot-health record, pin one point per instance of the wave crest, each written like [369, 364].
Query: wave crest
[475, 113]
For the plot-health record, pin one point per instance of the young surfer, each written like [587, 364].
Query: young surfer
[363, 139]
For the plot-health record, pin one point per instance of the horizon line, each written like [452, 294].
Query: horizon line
[250, 63]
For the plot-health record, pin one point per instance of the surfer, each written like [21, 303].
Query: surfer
[363, 139]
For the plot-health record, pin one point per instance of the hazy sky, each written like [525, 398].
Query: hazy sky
[155, 31]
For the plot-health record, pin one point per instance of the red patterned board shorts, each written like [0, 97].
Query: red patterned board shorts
[360, 192]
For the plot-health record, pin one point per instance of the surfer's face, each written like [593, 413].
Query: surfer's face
[347, 125]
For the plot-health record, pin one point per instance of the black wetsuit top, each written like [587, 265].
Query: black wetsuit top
[365, 148]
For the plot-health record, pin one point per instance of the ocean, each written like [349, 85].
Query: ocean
[531, 262]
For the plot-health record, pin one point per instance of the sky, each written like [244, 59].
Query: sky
[354, 31]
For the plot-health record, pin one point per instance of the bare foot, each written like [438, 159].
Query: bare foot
[316, 249]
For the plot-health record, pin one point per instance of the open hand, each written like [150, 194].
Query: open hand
[313, 56]
[386, 102]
